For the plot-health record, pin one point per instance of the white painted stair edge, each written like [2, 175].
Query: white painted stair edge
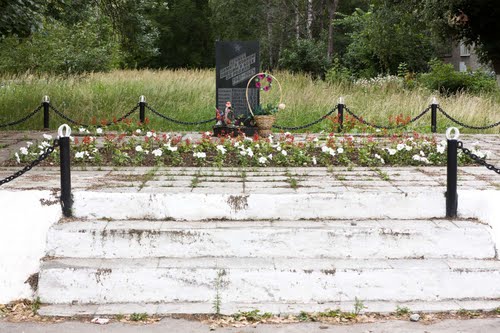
[362, 239]
[266, 281]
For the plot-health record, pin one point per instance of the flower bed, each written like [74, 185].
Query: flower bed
[148, 148]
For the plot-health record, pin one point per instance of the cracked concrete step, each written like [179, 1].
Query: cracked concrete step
[285, 204]
[67, 310]
[271, 280]
[296, 239]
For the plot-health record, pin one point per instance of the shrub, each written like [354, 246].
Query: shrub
[58, 48]
[338, 73]
[446, 80]
[305, 56]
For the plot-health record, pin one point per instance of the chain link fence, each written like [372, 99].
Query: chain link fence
[46, 153]
[23, 119]
[294, 128]
[476, 158]
[465, 125]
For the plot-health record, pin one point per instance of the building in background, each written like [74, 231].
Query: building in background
[463, 58]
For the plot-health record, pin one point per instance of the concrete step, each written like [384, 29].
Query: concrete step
[294, 239]
[269, 203]
[162, 308]
[265, 281]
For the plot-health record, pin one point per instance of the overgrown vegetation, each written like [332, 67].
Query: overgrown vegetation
[189, 95]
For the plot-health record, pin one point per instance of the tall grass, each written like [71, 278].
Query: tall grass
[189, 95]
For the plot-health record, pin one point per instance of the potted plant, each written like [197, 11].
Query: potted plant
[264, 115]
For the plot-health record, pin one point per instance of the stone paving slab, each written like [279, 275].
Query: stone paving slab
[145, 179]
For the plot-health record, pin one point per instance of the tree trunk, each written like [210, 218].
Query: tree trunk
[297, 22]
[309, 18]
[332, 8]
[270, 33]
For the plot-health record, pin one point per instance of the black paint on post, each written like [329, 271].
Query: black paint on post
[66, 197]
[46, 109]
[340, 108]
[451, 184]
[236, 62]
[142, 110]
[433, 118]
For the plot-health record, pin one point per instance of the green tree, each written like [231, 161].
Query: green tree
[20, 17]
[387, 34]
[185, 35]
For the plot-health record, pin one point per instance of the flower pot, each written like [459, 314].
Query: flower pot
[264, 125]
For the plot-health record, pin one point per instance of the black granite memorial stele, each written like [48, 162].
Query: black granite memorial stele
[236, 62]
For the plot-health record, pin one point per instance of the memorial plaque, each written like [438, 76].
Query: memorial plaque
[236, 62]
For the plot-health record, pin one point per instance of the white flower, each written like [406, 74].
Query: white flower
[408, 148]
[314, 160]
[149, 134]
[23, 150]
[400, 146]
[278, 148]
[221, 148]
[422, 154]
[257, 146]
[416, 157]
[47, 137]
[281, 106]
[237, 144]
[284, 153]
[325, 149]
[17, 158]
[138, 131]
[249, 152]
[315, 139]
[157, 152]
[29, 144]
[332, 152]
[270, 156]
[98, 130]
[83, 130]
[243, 152]
[80, 154]
[139, 149]
[377, 156]
[262, 160]
[440, 148]
[172, 148]
[378, 130]
[208, 133]
[287, 133]
[199, 154]
[391, 151]
[340, 150]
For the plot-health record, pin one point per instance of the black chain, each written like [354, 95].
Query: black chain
[180, 121]
[28, 116]
[465, 125]
[27, 168]
[386, 127]
[307, 125]
[62, 115]
[476, 158]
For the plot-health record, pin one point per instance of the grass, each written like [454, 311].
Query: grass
[189, 95]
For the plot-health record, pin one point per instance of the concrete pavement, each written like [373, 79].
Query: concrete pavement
[487, 325]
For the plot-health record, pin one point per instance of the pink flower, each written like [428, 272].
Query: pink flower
[261, 76]
[269, 79]
[258, 84]
[266, 88]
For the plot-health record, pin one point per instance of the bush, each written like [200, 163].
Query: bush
[305, 56]
[339, 74]
[446, 80]
[59, 48]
